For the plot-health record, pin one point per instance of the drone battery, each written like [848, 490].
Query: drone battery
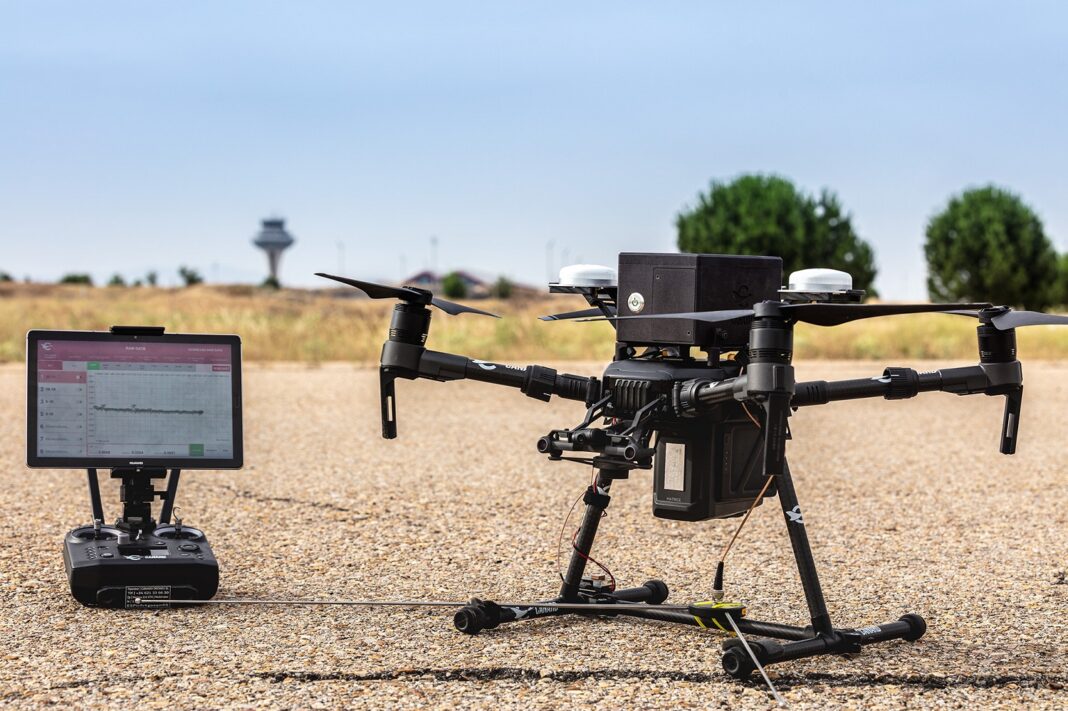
[709, 467]
[679, 283]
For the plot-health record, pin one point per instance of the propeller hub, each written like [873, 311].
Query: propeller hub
[985, 315]
[418, 296]
[768, 309]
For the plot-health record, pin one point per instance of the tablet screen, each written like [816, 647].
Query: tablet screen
[104, 400]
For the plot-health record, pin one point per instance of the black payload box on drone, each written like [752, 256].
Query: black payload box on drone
[683, 283]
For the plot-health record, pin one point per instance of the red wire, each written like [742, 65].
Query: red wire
[607, 572]
[560, 538]
[574, 536]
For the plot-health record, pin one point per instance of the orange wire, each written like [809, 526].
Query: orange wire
[745, 518]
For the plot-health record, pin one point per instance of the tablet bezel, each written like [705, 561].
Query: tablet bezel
[34, 461]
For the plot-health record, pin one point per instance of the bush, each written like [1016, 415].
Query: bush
[190, 276]
[4, 276]
[454, 286]
[151, 278]
[767, 215]
[987, 245]
[270, 283]
[502, 288]
[74, 278]
[116, 280]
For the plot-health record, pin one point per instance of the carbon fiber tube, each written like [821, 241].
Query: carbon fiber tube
[818, 392]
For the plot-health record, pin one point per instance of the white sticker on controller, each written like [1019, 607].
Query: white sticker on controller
[147, 597]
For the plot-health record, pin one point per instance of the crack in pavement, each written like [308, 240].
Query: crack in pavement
[927, 682]
[82, 683]
[241, 493]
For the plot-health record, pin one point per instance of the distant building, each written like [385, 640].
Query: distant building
[427, 279]
[273, 239]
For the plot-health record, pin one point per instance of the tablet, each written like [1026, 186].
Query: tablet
[100, 399]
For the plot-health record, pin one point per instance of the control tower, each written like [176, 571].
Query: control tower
[273, 239]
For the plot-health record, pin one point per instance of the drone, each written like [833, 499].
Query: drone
[699, 391]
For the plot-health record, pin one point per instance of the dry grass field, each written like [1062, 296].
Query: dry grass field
[908, 504]
[322, 326]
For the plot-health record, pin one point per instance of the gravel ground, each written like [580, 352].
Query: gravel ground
[909, 506]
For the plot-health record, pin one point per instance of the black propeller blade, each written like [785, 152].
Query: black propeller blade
[837, 314]
[583, 313]
[454, 309]
[406, 293]
[375, 291]
[1015, 319]
[817, 314]
[706, 316]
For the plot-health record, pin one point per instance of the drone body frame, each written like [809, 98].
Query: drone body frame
[669, 392]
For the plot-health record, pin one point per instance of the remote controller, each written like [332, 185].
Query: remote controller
[107, 566]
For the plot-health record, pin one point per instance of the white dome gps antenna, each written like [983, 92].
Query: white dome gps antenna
[829, 285]
[820, 280]
[587, 275]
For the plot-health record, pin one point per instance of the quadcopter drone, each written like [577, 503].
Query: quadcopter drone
[700, 391]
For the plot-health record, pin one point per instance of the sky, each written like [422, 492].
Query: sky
[142, 136]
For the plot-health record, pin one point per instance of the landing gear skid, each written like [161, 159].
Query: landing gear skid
[480, 615]
[770, 642]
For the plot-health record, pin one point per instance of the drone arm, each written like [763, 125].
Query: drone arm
[1003, 378]
[902, 383]
[411, 361]
[893, 384]
[536, 381]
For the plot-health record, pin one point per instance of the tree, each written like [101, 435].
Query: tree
[151, 278]
[74, 278]
[270, 283]
[502, 288]
[1061, 295]
[116, 280]
[4, 276]
[454, 286]
[987, 245]
[767, 215]
[190, 276]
